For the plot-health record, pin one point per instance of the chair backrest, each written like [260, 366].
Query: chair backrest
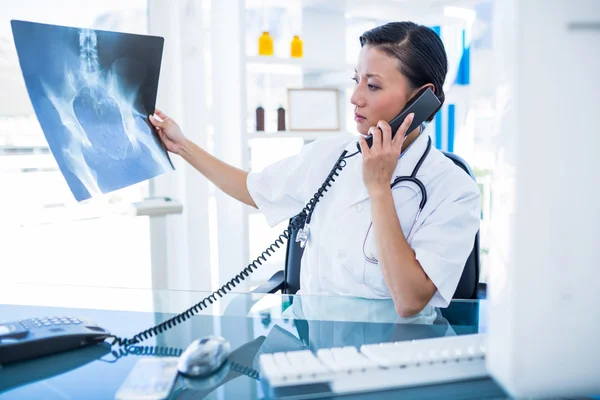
[469, 280]
[467, 285]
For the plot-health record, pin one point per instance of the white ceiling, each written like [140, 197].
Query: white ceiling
[417, 10]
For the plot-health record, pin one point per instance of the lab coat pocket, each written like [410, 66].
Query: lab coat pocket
[353, 225]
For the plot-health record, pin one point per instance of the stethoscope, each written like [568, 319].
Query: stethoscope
[399, 179]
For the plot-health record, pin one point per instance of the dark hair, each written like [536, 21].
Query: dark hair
[419, 50]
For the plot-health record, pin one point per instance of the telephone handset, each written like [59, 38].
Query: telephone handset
[423, 104]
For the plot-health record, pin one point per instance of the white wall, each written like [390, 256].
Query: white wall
[546, 277]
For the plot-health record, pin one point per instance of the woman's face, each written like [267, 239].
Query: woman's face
[381, 91]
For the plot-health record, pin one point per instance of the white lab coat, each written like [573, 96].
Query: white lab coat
[333, 262]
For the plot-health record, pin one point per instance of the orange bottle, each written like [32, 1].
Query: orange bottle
[265, 44]
[296, 47]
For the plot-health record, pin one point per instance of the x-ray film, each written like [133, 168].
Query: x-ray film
[92, 92]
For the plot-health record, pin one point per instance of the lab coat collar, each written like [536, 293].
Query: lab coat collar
[407, 162]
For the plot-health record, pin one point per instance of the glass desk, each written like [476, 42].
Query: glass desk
[252, 323]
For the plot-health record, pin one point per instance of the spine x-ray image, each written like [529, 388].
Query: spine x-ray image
[92, 92]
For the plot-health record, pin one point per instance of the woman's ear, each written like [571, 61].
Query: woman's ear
[429, 85]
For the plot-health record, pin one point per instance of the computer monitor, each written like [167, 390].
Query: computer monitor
[544, 322]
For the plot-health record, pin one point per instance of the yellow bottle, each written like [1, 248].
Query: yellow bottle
[296, 47]
[265, 44]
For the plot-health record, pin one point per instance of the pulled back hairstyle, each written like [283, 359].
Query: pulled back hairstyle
[418, 50]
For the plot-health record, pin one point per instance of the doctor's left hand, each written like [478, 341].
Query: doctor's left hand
[380, 161]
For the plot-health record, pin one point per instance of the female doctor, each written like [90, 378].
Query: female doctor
[367, 238]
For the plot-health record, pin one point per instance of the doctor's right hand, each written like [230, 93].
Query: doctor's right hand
[170, 133]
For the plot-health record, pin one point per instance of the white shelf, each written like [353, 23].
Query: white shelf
[308, 135]
[282, 65]
[156, 207]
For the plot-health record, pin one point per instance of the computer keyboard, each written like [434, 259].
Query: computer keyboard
[345, 370]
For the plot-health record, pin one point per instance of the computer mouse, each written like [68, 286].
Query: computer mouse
[204, 356]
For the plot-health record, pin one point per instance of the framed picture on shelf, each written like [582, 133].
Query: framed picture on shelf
[313, 109]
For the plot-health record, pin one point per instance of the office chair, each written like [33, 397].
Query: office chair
[288, 280]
